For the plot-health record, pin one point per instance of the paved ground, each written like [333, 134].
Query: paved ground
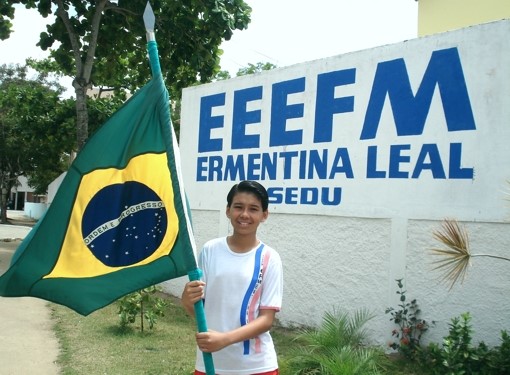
[28, 345]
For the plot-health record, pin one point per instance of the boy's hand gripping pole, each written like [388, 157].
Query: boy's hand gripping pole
[196, 274]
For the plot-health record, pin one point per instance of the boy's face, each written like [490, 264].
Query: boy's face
[245, 213]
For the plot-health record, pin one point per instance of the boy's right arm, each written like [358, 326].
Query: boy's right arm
[192, 293]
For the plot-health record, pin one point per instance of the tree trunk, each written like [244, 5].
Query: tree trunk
[5, 189]
[3, 205]
[82, 116]
[83, 66]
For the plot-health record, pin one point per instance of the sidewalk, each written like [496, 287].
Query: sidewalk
[27, 342]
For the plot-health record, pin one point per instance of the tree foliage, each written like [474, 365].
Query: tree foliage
[244, 71]
[255, 68]
[102, 42]
[38, 129]
[32, 133]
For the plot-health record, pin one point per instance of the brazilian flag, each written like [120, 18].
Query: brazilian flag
[119, 221]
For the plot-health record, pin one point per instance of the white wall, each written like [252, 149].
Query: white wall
[34, 210]
[349, 254]
[338, 262]
[53, 187]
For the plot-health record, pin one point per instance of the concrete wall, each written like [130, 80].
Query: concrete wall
[35, 210]
[53, 187]
[435, 16]
[348, 263]
[348, 254]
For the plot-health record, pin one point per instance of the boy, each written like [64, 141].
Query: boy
[242, 289]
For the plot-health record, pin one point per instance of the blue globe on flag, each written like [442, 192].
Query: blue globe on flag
[124, 224]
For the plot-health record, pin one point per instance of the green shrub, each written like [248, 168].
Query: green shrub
[143, 303]
[458, 356]
[337, 347]
[499, 357]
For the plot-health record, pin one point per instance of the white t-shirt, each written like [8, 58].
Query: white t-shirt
[238, 286]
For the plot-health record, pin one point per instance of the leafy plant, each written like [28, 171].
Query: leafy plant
[143, 303]
[499, 357]
[458, 356]
[410, 326]
[336, 347]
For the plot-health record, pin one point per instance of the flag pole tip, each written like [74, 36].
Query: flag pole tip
[149, 20]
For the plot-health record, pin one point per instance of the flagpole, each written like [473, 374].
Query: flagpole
[196, 274]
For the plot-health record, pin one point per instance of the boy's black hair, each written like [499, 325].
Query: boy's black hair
[252, 187]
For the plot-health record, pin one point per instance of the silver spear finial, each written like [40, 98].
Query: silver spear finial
[149, 20]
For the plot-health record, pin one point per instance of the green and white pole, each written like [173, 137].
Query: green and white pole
[149, 21]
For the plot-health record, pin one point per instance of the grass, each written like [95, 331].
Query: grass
[96, 344]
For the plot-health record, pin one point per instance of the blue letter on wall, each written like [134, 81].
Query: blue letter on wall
[326, 103]
[281, 112]
[209, 122]
[242, 117]
[410, 112]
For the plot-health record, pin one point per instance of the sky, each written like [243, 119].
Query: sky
[282, 32]
[287, 32]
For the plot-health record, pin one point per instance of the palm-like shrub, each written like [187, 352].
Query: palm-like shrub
[337, 347]
[457, 255]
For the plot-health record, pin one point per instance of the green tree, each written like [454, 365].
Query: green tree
[33, 135]
[49, 168]
[255, 68]
[100, 43]
[145, 303]
[250, 69]
[38, 129]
